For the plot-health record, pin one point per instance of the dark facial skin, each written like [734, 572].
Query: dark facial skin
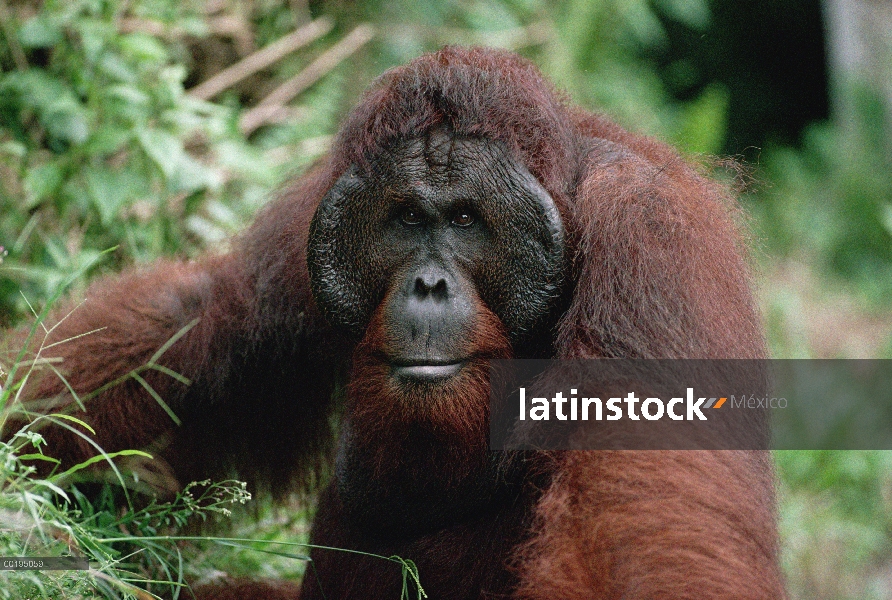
[438, 230]
[432, 229]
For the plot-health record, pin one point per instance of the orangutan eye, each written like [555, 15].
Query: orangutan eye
[463, 218]
[411, 216]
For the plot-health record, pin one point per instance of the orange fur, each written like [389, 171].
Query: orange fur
[657, 268]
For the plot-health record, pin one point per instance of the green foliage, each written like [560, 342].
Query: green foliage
[835, 520]
[597, 58]
[830, 204]
[43, 513]
[38, 518]
[100, 146]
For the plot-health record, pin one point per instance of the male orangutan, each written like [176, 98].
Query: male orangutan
[465, 213]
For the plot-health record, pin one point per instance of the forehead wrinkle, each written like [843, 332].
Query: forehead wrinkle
[438, 154]
[436, 167]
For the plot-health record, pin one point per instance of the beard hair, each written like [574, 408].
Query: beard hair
[424, 429]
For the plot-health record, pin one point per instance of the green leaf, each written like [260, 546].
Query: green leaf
[80, 422]
[117, 68]
[143, 47]
[129, 94]
[41, 182]
[173, 340]
[192, 175]
[182, 172]
[57, 106]
[165, 149]
[157, 397]
[94, 37]
[13, 148]
[37, 456]
[703, 121]
[693, 13]
[107, 140]
[131, 107]
[886, 216]
[108, 193]
[53, 487]
[95, 459]
[39, 32]
[67, 123]
[245, 160]
[37, 89]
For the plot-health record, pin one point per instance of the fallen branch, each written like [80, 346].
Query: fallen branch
[269, 107]
[261, 59]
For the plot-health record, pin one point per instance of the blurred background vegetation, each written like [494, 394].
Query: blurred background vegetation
[158, 127]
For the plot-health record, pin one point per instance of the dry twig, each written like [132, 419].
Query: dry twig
[270, 106]
[261, 59]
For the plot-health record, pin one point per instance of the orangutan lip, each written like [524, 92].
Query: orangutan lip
[427, 371]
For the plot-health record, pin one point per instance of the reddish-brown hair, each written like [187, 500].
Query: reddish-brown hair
[657, 270]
